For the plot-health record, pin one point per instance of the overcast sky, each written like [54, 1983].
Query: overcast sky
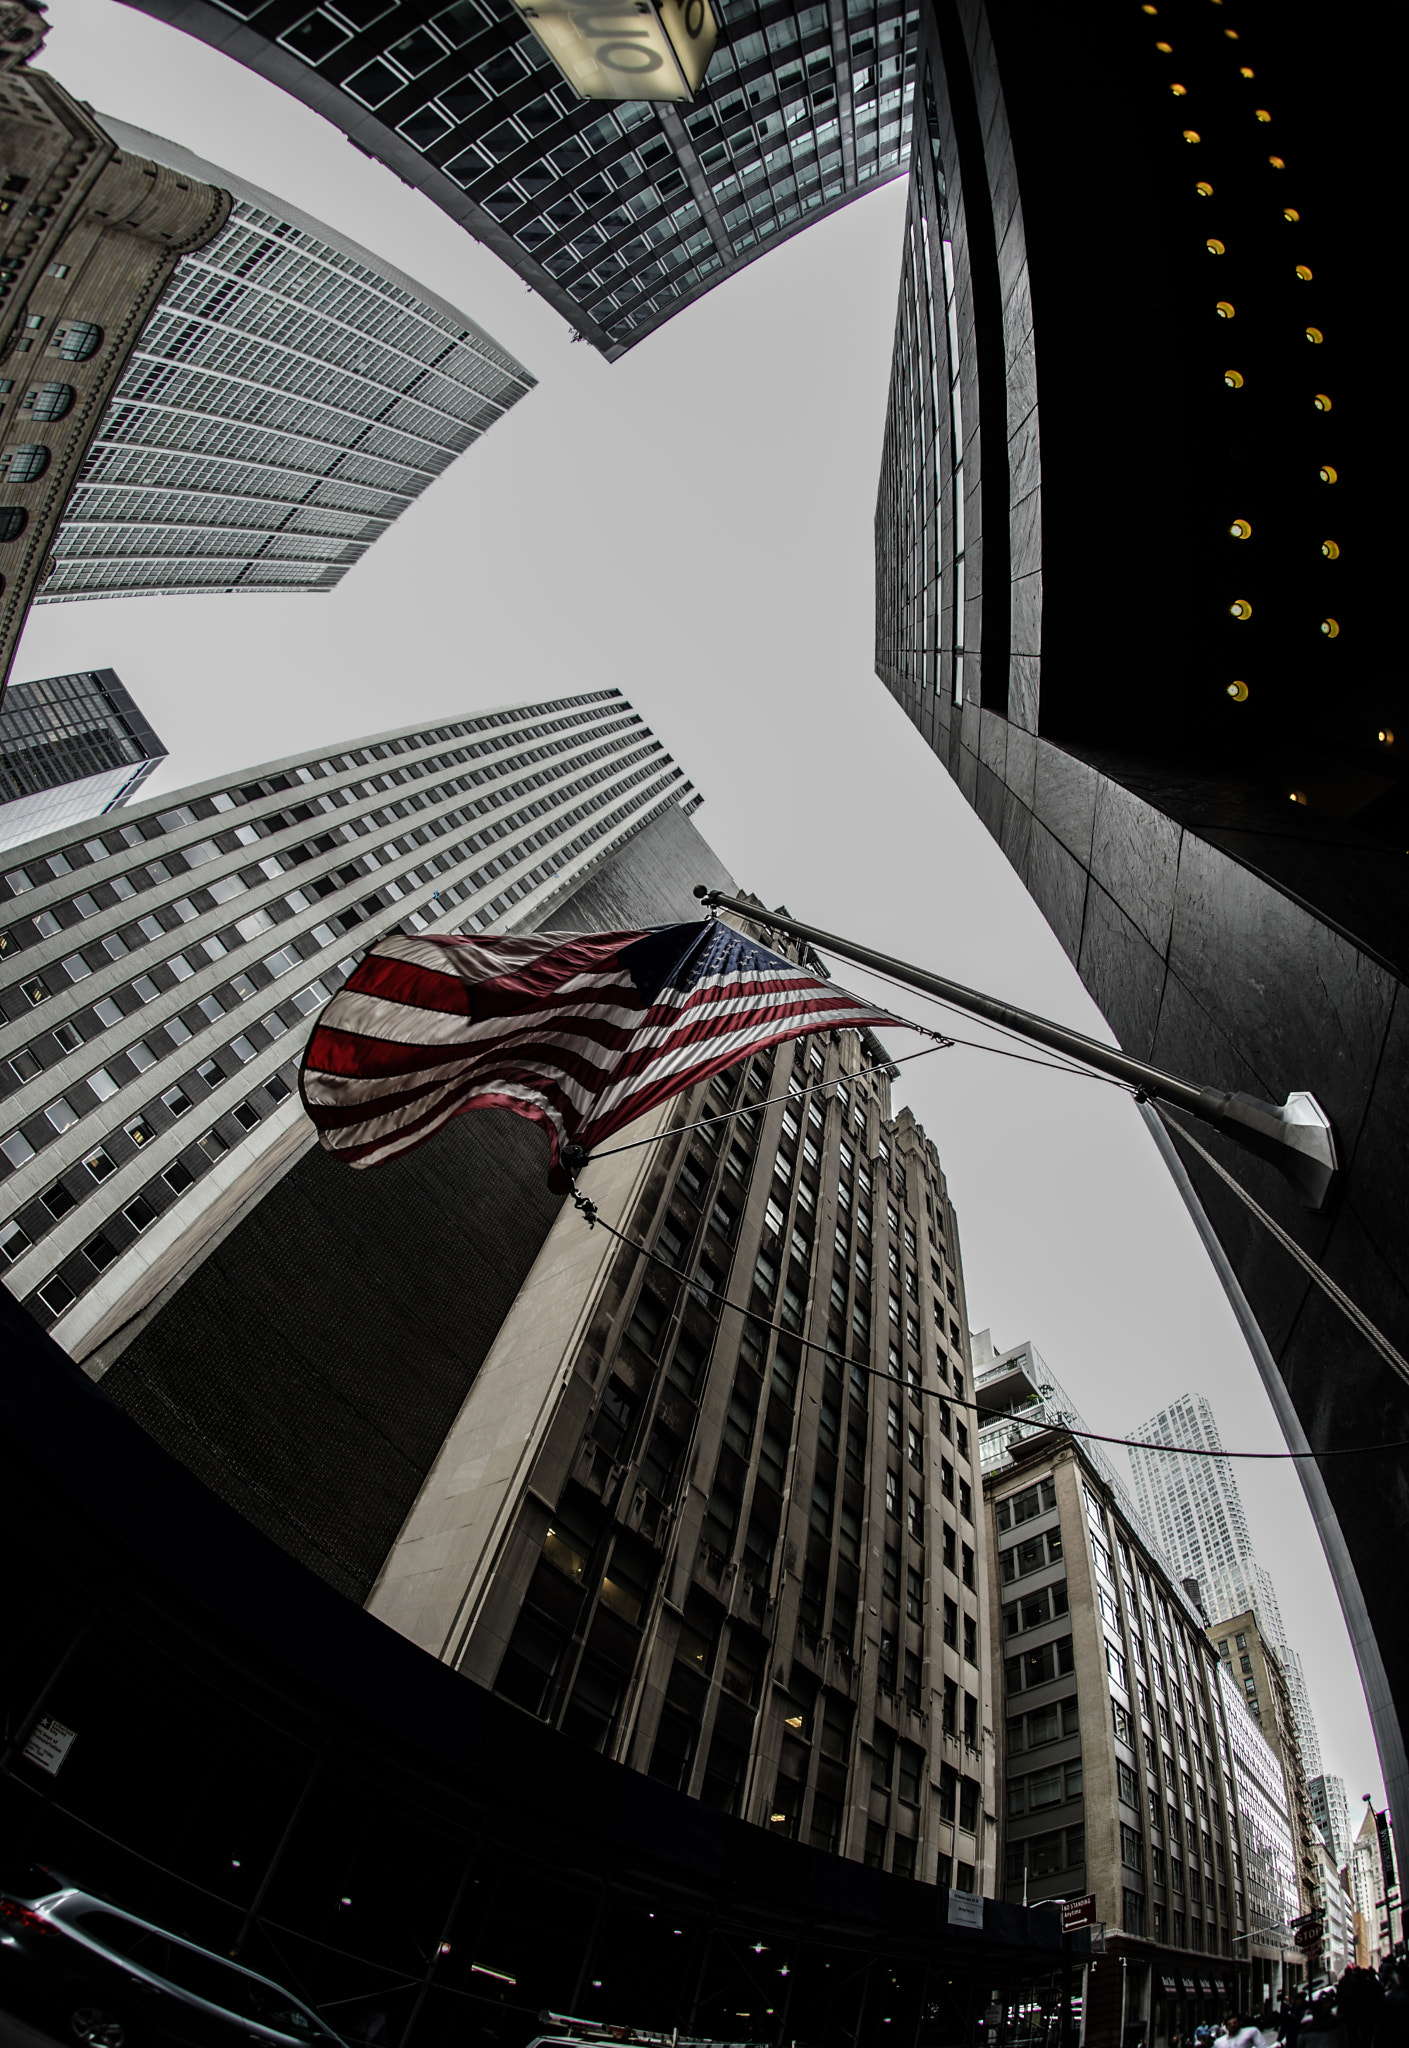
[694, 525]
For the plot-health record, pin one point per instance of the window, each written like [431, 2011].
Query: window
[24, 464]
[13, 521]
[77, 340]
[1125, 1783]
[890, 1573]
[914, 1594]
[1038, 1667]
[1025, 1506]
[1132, 1848]
[49, 401]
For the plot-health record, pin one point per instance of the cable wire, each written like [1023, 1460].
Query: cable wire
[1337, 1295]
[595, 1219]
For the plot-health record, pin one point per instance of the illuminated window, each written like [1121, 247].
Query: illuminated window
[1330, 550]
[1238, 692]
[1314, 334]
[1263, 115]
[1225, 309]
[1240, 608]
[1298, 796]
[1331, 628]
[1215, 247]
[1232, 34]
[1233, 379]
[1167, 48]
[1191, 134]
[1181, 92]
[1323, 403]
[1278, 163]
[1240, 529]
[1204, 191]
[1245, 71]
[1328, 475]
[1290, 213]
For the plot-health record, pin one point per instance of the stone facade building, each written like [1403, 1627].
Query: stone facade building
[741, 1558]
[1253, 1666]
[89, 237]
[1117, 1776]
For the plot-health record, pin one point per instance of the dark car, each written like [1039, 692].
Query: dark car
[111, 1980]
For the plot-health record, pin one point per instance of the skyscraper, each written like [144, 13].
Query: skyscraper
[1195, 1506]
[618, 214]
[71, 747]
[1216, 840]
[160, 975]
[289, 397]
[1331, 1813]
[710, 1506]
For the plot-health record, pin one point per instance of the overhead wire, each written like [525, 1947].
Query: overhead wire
[595, 1220]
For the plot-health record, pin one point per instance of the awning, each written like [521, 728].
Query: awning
[1207, 1988]
[1191, 1987]
[1171, 1985]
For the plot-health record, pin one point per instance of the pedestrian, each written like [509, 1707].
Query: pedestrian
[1392, 2020]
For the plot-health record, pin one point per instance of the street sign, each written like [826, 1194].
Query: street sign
[1308, 1930]
[966, 1910]
[49, 1743]
[1078, 1912]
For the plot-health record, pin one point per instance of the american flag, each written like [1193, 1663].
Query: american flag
[581, 1033]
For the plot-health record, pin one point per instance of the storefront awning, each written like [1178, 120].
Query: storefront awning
[1171, 1985]
[1191, 1987]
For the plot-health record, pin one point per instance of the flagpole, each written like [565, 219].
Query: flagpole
[1297, 1137]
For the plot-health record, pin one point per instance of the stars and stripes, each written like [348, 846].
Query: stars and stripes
[581, 1032]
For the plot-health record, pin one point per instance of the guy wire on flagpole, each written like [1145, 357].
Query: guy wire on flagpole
[594, 1218]
[1296, 1136]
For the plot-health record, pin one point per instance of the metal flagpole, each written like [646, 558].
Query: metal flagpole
[1297, 1137]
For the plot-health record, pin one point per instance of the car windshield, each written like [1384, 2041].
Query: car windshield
[202, 1975]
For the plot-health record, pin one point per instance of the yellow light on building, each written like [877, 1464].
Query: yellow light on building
[638, 50]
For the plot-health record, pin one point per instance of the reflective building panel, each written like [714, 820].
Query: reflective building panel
[289, 397]
[617, 215]
[71, 747]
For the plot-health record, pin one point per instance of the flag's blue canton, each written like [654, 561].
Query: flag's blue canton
[678, 956]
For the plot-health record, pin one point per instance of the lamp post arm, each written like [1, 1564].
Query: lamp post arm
[1297, 1138]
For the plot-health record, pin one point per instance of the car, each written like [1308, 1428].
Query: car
[108, 1979]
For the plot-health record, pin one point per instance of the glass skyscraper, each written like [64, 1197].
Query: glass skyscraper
[71, 747]
[289, 397]
[618, 214]
[160, 977]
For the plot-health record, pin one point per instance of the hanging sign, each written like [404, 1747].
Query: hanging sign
[626, 49]
[49, 1743]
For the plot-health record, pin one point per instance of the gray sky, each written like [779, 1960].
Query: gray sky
[694, 525]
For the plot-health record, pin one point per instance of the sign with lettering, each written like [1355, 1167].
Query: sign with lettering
[626, 49]
[1078, 1912]
[966, 1910]
[49, 1743]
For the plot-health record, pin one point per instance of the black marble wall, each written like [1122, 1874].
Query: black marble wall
[1227, 933]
